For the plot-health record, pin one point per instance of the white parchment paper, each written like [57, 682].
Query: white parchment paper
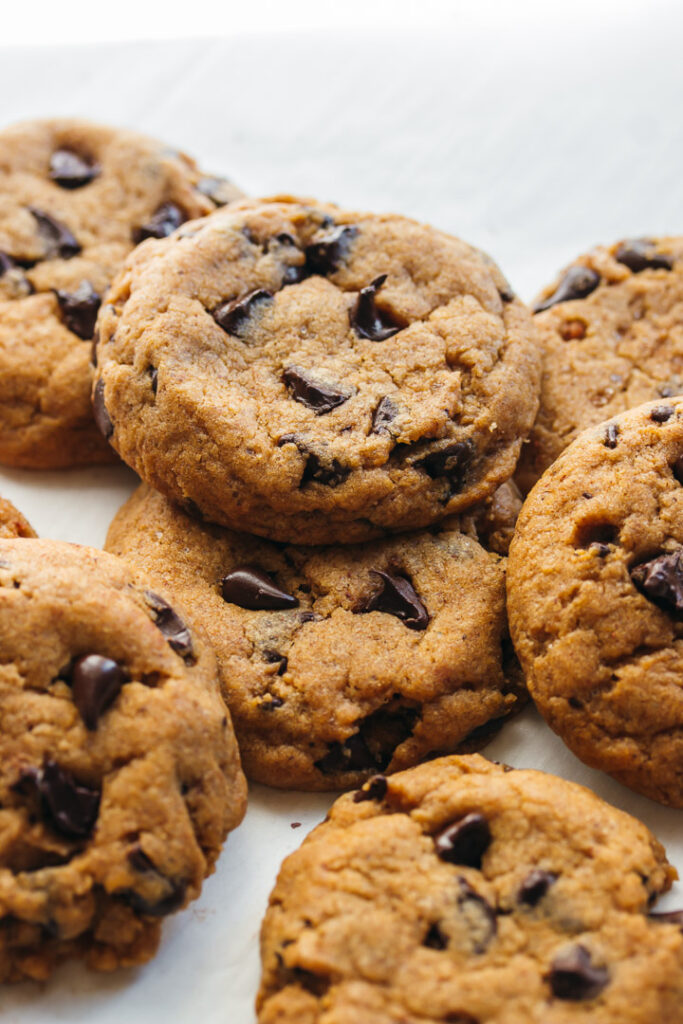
[533, 138]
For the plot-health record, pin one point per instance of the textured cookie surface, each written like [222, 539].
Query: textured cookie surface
[332, 670]
[595, 595]
[316, 376]
[459, 893]
[12, 522]
[119, 771]
[75, 198]
[611, 332]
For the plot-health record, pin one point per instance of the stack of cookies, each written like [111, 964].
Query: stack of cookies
[335, 416]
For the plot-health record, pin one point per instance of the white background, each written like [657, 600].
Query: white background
[532, 129]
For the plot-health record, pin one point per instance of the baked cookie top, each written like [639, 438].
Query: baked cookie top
[611, 332]
[75, 198]
[595, 579]
[12, 522]
[462, 893]
[313, 375]
[119, 771]
[337, 662]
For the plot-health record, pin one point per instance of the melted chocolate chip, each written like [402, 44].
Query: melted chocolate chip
[6, 263]
[577, 283]
[661, 413]
[79, 309]
[331, 475]
[171, 625]
[373, 746]
[383, 415]
[138, 859]
[506, 293]
[668, 917]
[450, 462]
[95, 685]
[465, 841]
[397, 597]
[160, 908]
[535, 886]
[367, 320]
[328, 252]
[321, 398]
[232, 316]
[219, 190]
[271, 702]
[251, 587]
[661, 580]
[57, 238]
[161, 224]
[353, 755]
[69, 170]
[374, 789]
[100, 414]
[435, 938]
[573, 976]
[611, 435]
[639, 254]
[67, 806]
[479, 914]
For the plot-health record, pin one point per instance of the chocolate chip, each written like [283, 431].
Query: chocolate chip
[353, 755]
[373, 745]
[506, 293]
[661, 413]
[69, 170]
[661, 579]
[331, 475]
[159, 908]
[573, 330]
[535, 886]
[677, 469]
[161, 224]
[577, 283]
[668, 390]
[397, 597]
[138, 859]
[465, 841]
[639, 254]
[668, 917]
[435, 938]
[219, 190]
[95, 684]
[329, 251]
[271, 702]
[58, 239]
[450, 462]
[367, 320]
[611, 435]
[573, 976]
[153, 378]
[171, 625]
[479, 915]
[79, 309]
[68, 807]
[100, 414]
[251, 587]
[321, 398]
[383, 415]
[374, 789]
[6, 263]
[232, 316]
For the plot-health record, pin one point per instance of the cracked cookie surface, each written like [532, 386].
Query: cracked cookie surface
[313, 375]
[119, 771]
[594, 578]
[611, 334]
[75, 198]
[341, 661]
[461, 893]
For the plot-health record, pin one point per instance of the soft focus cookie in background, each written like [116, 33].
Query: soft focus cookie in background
[75, 198]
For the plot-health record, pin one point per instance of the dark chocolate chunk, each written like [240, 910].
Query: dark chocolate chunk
[383, 415]
[535, 886]
[319, 397]
[373, 746]
[574, 977]
[661, 413]
[100, 414]
[160, 908]
[232, 316]
[59, 242]
[271, 702]
[573, 330]
[374, 789]
[479, 914]
[353, 755]
[329, 251]
[79, 309]
[331, 475]
[6, 263]
[667, 917]
[95, 684]
[577, 283]
[69, 170]
[171, 625]
[219, 190]
[435, 938]
[138, 859]
[506, 293]
[251, 587]
[661, 579]
[465, 841]
[161, 224]
[67, 806]
[611, 435]
[397, 597]
[639, 254]
[367, 320]
[450, 462]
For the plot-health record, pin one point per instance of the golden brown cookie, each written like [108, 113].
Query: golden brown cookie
[316, 376]
[463, 893]
[12, 523]
[75, 197]
[119, 771]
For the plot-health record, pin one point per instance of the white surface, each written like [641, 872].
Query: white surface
[533, 138]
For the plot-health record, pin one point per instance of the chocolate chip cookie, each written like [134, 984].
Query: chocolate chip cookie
[462, 893]
[316, 376]
[12, 523]
[119, 771]
[341, 661]
[75, 198]
[611, 331]
[595, 594]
